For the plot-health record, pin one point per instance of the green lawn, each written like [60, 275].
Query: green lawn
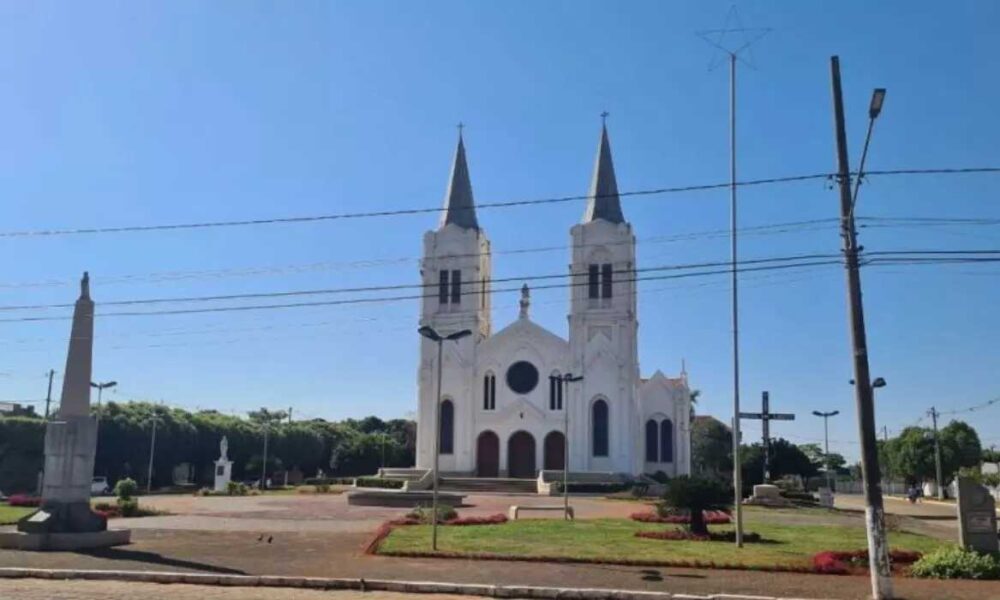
[11, 514]
[614, 539]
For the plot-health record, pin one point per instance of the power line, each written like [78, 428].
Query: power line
[417, 296]
[394, 287]
[488, 205]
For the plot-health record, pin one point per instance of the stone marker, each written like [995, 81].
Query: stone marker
[825, 497]
[977, 517]
[767, 495]
[65, 520]
[223, 467]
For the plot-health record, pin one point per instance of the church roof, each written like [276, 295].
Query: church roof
[602, 200]
[459, 208]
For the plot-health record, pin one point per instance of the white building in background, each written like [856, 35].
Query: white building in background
[503, 408]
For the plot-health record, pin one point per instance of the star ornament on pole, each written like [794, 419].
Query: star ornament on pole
[733, 40]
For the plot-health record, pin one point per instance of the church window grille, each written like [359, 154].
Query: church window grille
[599, 422]
[447, 433]
[443, 287]
[456, 287]
[490, 392]
[666, 441]
[652, 441]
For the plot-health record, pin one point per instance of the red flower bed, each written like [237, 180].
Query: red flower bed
[856, 561]
[24, 500]
[683, 534]
[712, 517]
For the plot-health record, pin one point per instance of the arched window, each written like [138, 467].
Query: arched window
[555, 391]
[447, 433]
[666, 441]
[490, 391]
[652, 441]
[599, 422]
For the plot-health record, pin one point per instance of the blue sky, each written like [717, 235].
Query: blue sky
[142, 113]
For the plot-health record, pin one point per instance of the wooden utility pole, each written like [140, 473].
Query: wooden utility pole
[878, 549]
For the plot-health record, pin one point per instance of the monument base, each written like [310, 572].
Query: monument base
[19, 540]
[63, 517]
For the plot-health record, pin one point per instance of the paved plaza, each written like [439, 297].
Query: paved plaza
[322, 536]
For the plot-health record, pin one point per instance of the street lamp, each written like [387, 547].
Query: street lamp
[429, 333]
[826, 441]
[874, 109]
[567, 379]
[100, 387]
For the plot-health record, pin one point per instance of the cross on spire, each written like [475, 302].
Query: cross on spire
[604, 117]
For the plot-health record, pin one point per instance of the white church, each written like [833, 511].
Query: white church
[504, 405]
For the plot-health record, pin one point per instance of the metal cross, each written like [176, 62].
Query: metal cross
[604, 117]
[460, 126]
[765, 416]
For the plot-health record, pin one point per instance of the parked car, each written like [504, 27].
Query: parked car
[99, 486]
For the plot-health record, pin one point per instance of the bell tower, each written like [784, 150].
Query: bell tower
[455, 273]
[603, 328]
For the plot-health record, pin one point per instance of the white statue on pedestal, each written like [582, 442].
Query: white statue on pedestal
[223, 467]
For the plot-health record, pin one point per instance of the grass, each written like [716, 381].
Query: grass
[11, 514]
[787, 544]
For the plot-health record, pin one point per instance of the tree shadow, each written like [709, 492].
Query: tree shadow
[157, 559]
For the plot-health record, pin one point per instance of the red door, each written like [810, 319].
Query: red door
[521, 456]
[488, 455]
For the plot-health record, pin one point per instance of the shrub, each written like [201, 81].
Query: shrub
[379, 482]
[659, 477]
[681, 534]
[126, 489]
[696, 495]
[328, 480]
[422, 514]
[957, 563]
[237, 488]
[24, 500]
[592, 487]
[128, 507]
[322, 488]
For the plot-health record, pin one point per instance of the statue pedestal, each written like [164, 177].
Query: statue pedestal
[223, 474]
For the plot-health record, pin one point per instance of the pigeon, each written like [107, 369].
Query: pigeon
[261, 537]
[269, 538]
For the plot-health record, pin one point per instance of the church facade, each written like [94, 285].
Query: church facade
[507, 408]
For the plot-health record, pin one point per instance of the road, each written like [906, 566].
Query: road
[939, 519]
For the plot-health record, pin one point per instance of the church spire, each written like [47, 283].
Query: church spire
[603, 201]
[459, 208]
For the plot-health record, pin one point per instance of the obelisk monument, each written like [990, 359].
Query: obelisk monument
[65, 519]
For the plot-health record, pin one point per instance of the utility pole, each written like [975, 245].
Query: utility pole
[878, 550]
[566, 380]
[48, 395]
[937, 454]
[152, 450]
[263, 463]
[289, 415]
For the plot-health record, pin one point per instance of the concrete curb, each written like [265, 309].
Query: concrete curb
[365, 585]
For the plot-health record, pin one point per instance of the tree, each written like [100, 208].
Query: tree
[911, 454]
[832, 462]
[960, 447]
[696, 495]
[711, 446]
[786, 459]
[265, 416]
[991, 455]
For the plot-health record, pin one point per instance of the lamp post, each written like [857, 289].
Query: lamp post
[429, 333]
[100, 387]
[826, 441]
[567, 379]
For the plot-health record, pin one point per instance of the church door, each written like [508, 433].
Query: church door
[488, 455]
[555, 445]
[521, 456]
